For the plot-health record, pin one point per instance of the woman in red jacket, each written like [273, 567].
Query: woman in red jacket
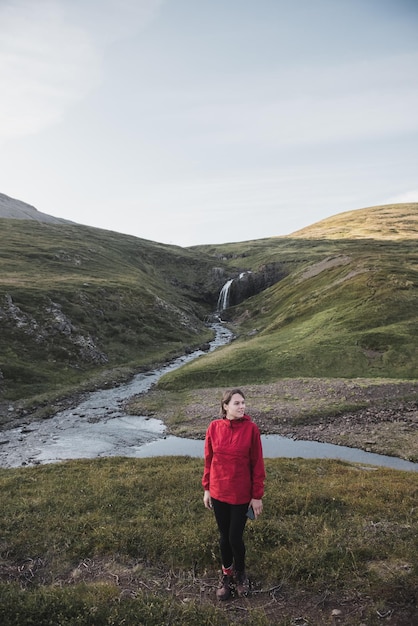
[233, 480]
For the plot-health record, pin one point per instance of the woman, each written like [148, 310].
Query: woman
[233, 480]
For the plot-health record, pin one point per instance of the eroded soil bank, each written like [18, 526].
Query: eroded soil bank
[373, 415]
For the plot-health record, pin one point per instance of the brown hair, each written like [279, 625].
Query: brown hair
[226, 398]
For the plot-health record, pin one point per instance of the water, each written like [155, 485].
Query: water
[223, 299]
[99, 427]
[275, 446]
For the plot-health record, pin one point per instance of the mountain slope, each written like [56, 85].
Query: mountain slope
[75, 300]
[394, 222]
[347, 307]
[16, 209]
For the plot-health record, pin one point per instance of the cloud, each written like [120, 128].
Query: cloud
[406, 196]
[297, 105]
[51, 55]
[108, 21]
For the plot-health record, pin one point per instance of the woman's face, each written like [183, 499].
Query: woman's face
[235, 408]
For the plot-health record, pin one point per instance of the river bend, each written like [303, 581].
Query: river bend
[99, 427]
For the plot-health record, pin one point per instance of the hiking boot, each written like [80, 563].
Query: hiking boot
[224, 590]
[242, 584]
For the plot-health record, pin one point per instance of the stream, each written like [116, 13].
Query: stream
[99, 427]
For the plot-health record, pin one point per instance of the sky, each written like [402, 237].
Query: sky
[193, 122]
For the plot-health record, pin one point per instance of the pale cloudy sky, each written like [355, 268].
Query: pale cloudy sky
[208, 121]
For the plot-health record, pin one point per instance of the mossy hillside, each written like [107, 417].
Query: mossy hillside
[89, 301]
[74, 300]
[328, 527]
[346, 308]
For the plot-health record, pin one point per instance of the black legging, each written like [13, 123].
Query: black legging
[231, 519]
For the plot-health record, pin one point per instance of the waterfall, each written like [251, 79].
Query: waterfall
[223, 300]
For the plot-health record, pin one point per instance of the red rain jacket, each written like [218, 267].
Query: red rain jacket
[234, 467]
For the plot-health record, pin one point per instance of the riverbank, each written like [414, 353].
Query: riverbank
[379, 416]
[374, 415]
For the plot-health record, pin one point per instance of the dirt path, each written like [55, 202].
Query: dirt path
[279, 603]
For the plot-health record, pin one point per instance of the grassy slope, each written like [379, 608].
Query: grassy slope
[136, 301]
[347, 307]
[395, 222]
[329, 529]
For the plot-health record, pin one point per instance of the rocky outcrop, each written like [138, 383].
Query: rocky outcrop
[248, 284]
[54, 324]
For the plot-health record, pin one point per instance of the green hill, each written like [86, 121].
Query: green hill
[75, 301]
[336, 299]
[347, 306]
[389, 222]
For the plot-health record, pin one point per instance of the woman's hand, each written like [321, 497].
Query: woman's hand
[257, 506]
[207, 500]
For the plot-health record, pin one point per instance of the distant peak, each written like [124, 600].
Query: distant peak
[11, 208]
